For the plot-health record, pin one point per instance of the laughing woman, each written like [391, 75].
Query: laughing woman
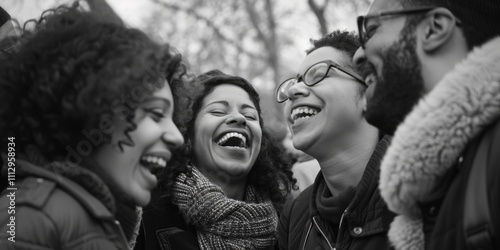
[238, 177]
[86, 111]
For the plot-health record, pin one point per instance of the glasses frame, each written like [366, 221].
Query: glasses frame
[331, 64]
[361, 20]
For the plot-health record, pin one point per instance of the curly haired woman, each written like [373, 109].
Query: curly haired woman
[234, 178]
[86, 109]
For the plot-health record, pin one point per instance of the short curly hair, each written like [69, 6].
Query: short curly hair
[345, 41]
[74, 72]
[270, 175]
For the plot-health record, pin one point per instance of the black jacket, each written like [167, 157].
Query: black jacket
[363, 225]
[443, 212]
[163, 228]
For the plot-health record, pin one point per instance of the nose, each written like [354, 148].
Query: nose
[359, 57]
[236, 118]
[299, 89]
[172, 136]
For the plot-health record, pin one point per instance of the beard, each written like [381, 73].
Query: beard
[398, 89]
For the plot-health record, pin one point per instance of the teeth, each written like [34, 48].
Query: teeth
[232, 134]
[303, 110]
[154, 160]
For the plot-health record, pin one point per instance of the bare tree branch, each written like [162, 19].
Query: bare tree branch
[269, 41]
[319, 12]
[102, 7]
[210, 24]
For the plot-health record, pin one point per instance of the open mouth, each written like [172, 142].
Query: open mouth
[233, 139]
[303, 112]
[153, 163]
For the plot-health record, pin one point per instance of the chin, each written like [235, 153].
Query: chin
[143, 200]
[301, 145]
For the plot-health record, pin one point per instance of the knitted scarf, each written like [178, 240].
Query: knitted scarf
[431, 138]
[221, 222]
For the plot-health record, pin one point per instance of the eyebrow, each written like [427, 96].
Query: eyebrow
[225, 103]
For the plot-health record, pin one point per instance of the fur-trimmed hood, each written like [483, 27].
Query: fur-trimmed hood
[431, 138]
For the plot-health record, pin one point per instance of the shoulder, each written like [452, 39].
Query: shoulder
[298, 207]
[46, 214]
[51, 210]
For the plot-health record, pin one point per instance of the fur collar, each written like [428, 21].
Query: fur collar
[427, 144]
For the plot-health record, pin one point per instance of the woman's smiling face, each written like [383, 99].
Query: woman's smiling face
[132, 169]
[227, 133]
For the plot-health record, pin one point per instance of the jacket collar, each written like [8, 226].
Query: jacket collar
[431, 138]
[366, 199]
[93, 205]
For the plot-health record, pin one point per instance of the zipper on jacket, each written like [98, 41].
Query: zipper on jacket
[323, 234]
[122, 234]
[340, 227]
[307, 236]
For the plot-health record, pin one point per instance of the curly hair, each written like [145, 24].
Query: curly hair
[344, 41]
[77, 72]
[270, 174]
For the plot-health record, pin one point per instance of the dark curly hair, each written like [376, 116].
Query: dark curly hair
[77, 72]
[344, 41]
[270, 174]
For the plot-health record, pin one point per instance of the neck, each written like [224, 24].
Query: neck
[233, 187]
[345, 163]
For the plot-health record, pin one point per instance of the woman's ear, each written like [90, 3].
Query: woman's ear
[438, 28]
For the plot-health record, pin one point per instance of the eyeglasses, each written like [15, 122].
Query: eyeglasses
[313, 75]
[365, 33]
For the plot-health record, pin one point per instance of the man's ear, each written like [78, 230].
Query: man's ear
[438, 28]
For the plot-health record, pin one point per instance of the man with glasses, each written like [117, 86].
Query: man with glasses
[433, 70]
[324, 109]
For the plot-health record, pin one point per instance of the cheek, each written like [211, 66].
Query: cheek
[287, 109]
[257, 133]
[147, 131]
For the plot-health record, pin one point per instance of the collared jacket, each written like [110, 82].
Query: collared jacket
[54, 212]
[425, 172]
[163, 228]
[363, 225]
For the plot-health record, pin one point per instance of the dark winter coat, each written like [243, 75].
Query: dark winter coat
[363, 225]
[54, 212]
[425, 172]
[165, 229]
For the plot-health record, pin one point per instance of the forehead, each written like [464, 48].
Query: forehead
[322, 54]
[383, 5]
[164, 92]
[230, 93]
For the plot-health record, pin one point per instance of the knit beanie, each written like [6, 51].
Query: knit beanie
[480, 14]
